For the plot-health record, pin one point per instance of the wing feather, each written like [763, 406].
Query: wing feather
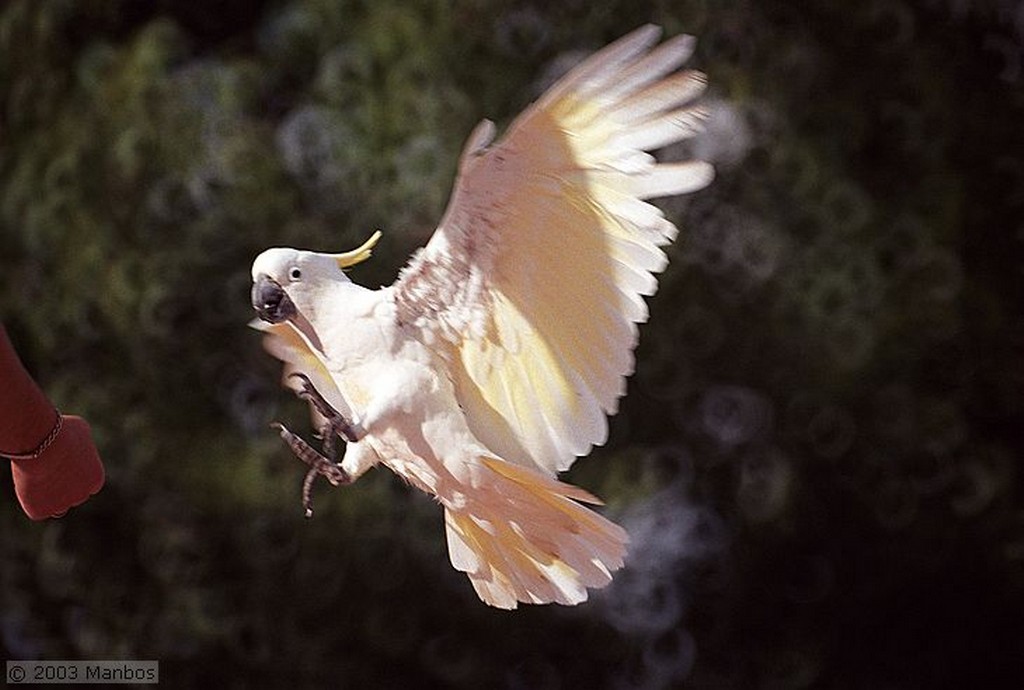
[533, 284]
[658, 63]
[602, 66]
[285, 343]
[660, 131]
[661, 97]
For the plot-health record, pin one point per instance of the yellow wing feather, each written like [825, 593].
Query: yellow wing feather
[534, 281]
[284, 342]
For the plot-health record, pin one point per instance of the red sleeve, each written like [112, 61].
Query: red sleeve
[26, 416]
[63, 468]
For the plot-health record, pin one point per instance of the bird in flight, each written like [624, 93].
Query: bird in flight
[495, 358]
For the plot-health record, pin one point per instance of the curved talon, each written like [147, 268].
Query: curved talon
[318, 466]
[337, 424]
[307, 492]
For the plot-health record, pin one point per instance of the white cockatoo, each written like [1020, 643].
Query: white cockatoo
[493, 360]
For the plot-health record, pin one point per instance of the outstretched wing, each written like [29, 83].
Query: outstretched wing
[533, 283]
[284, 342]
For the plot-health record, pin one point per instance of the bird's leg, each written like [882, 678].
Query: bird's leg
[337, 425]
[319, 465]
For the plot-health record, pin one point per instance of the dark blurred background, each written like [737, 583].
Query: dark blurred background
[816, 456]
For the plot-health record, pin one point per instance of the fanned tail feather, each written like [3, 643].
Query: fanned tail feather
[525, 538]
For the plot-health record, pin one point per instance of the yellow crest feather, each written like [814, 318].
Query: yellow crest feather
[360, 254]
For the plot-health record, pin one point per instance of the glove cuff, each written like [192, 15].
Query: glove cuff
[43, 445]
[65, 474]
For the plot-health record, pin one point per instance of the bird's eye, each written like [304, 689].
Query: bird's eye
[295, 273]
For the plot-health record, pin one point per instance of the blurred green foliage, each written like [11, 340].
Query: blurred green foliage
[817, 456]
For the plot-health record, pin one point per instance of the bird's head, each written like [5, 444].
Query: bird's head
[284, 280]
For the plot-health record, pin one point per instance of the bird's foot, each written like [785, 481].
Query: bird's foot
[319, 465]
[337, 425]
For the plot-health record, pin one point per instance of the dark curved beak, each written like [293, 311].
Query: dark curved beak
[270, 301]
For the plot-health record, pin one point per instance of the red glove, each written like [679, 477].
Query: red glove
[53, 458]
